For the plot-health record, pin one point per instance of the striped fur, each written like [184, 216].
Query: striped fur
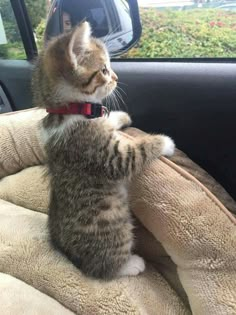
[90, 163]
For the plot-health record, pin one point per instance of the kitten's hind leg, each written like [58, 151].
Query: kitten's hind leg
[119, 120]
[132, 267]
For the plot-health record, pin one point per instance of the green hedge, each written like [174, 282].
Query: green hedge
[181, 34]
[39, 32]
[12, 50]
[190, 33]
[166, 34]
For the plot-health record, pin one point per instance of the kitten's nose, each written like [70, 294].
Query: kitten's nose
[114, 76]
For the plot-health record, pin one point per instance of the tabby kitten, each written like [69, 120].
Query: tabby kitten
[89, 161]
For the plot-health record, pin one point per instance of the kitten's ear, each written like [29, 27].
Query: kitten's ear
[79, 41]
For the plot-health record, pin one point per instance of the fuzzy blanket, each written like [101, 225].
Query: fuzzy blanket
[187, 236]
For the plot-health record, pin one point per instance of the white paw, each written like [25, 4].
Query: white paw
[133, 267]
[169, 146]
[119, 119]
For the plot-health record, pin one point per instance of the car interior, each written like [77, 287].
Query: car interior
[189, 97]
[192, 100]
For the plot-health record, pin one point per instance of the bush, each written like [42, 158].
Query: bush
[3, 52]
[166, 34]
[192, 33]
[13, 50]
[39, 33]
[37, 10]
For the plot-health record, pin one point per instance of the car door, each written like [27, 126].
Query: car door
[168, 84]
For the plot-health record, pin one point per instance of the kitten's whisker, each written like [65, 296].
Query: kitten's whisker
[119, 82]
[107, 100]
[111, 102]
[118, 95]
[120, 100]
[116, 99]
[121, 90]
[108, 36]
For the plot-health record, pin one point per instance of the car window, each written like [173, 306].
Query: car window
[11, 46]
[171, 29]
[186, 29]
[37, 10]
[181, 29]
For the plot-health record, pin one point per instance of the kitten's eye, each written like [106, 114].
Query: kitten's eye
[104, 70]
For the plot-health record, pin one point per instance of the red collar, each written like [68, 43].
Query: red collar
[90, 110]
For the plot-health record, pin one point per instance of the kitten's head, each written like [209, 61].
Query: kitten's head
[78, 67]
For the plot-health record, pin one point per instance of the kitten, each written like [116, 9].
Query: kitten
[89, 161]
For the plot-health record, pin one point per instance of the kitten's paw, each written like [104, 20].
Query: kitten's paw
[168, 147]
[133, 267]
[119, 120]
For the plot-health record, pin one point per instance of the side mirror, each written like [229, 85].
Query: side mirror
[116, 22]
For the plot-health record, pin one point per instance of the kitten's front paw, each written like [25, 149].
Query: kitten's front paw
[119, 119]
[133, 267]
[168, 147]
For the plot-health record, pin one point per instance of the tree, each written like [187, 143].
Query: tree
[9, 22]
[37, 10]
[6, 10]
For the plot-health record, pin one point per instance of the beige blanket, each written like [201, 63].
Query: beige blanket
[195, 229]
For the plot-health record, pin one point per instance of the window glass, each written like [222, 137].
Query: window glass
[11, 46]
[186, 29]
[37, 10]
[94, 11]
[171, 29]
